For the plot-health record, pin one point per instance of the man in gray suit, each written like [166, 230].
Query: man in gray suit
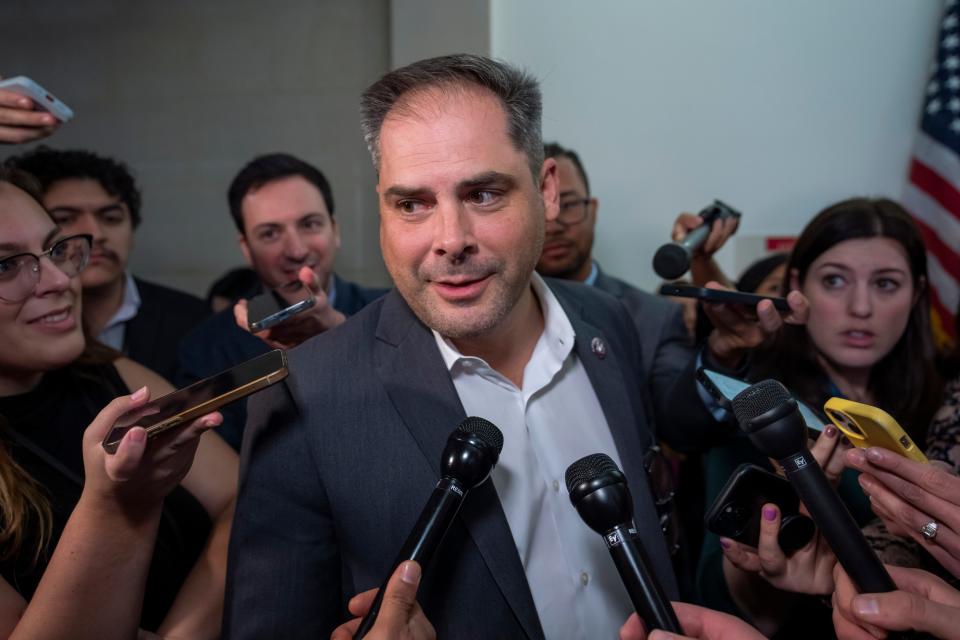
[568, 254]
[340, 459]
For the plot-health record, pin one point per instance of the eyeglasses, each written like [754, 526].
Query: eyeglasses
[660, 477]
[20, 274]
[573, 211]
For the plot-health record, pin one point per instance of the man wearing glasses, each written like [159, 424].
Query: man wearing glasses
[90, 194]
[665, 344]
[567, 254]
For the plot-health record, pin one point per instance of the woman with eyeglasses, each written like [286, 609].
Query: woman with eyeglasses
[145, 545]
[861, 264]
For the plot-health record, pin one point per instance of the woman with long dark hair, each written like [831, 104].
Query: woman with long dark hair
[861, 265]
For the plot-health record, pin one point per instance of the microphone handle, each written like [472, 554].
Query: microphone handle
[645, 591]
[696, 238]
[423, 541]
[837, 525]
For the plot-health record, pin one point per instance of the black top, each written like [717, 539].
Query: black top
[45, 439]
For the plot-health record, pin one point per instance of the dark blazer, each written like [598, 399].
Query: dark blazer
[153, 336]
[667, 348]
[219, 344]
[340, 459]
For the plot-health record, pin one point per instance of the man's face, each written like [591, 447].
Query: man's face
[566, 251]
[82, 205]
[287, 226]
[461, 216]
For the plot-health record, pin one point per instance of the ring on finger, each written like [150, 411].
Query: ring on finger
[929, 531]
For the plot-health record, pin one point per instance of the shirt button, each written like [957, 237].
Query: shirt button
[556, 485]
[584, 578]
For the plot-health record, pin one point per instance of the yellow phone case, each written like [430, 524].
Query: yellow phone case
[868, 426]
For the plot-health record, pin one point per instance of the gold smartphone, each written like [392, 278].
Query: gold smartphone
[868, 426]
[200, 398]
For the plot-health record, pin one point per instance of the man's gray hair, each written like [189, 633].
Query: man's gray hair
[518, 92]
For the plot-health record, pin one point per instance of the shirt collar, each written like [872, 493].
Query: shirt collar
[558, 334]
[129, 306]
[594, 272]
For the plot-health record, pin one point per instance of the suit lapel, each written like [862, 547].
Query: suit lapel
[608, 381]
[420, 387]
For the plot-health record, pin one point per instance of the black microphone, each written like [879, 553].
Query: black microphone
[471, 452]
[672, 260]
[599, 491]
[770, 417]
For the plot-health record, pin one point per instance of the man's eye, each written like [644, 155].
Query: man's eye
[409, 206]
[270, 234]
[482, 197]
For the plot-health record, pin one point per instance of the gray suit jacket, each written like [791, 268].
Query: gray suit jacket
[666, 347]
[339, 461]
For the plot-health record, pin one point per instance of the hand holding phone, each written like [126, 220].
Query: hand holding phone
[28, 112]
[735, 514]
[265, 311]
[295, 324]
[867, 426]
[200, 398]
[137, 476]
[722, 296]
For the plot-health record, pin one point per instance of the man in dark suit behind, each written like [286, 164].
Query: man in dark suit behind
[283, 210]
[90, 194]
[340, 458]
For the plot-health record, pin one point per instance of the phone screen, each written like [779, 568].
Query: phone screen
[206, 395]
[728, 387]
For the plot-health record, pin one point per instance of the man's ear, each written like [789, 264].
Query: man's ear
[550, 189]
[244, 248]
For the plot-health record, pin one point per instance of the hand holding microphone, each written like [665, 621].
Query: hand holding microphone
[770, 417]
[471, 452]
[599, 491]
[703, 233]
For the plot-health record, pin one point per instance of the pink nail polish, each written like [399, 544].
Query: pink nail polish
[769, 514]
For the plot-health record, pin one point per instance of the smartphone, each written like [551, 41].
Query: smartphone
[725, 388]
[201, 397]
[264, 311]
[721, 296]
[735, 514]
[868, 426]
[24, 86]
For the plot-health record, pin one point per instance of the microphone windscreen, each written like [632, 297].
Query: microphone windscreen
[485, 430]
[759, 398]
[589, 468]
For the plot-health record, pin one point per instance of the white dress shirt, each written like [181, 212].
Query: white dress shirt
[554, 420]
[115, 330]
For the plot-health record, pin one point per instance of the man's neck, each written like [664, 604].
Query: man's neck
[508, 348]
[583, 271]
[101, 303]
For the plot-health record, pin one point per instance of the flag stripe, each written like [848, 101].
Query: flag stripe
[945, 286]
[936, 187]
[929, 211]
[949, 260]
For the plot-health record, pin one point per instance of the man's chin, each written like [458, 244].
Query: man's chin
[95, 277]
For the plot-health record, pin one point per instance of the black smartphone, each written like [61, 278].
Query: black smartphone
[724, 389]
[265, 311]
[735, 514]
[201, 397]
[721, 296]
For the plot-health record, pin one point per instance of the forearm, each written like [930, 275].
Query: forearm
[94, 584]
[197, 611]
[703, 270]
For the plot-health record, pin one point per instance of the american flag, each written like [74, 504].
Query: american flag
[932, 194]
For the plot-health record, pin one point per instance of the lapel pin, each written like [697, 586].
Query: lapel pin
[599, 348]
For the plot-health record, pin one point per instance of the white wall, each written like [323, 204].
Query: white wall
[187, 92]
[777, 107]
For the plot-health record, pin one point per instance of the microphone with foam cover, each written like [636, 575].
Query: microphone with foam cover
[672, 259]
[471, 452]
[599, 491]
[770, 417]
